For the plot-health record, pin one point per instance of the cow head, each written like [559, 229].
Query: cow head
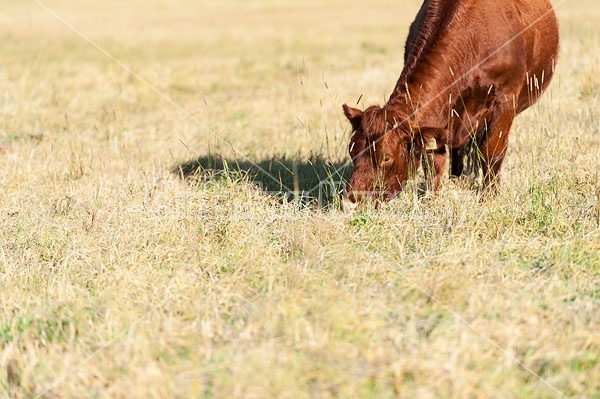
[385, 150]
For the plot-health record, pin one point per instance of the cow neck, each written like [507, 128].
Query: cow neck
[419, 104]
[424, 88]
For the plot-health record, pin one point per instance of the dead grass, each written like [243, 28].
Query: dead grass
[119, 279]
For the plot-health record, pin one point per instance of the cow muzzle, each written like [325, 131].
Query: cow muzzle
[348, 204]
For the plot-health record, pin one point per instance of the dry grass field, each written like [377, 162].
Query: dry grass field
[169, 229]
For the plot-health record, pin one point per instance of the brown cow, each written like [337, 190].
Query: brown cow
[470, 67]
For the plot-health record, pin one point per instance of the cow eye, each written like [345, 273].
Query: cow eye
[387, 161]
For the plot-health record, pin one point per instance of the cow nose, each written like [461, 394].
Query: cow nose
[349, 203]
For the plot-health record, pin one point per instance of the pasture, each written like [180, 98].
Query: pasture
[169, 226]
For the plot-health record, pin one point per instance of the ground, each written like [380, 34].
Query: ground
[170, 225]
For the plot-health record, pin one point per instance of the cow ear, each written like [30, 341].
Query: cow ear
[430, 138]
[354, 116]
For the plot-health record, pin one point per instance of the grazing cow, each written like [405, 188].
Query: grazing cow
[470, 67]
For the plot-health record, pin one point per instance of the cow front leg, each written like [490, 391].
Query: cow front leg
[435, 162]
[457, 162]
[493, 150]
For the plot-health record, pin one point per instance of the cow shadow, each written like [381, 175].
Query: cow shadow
[314, 181]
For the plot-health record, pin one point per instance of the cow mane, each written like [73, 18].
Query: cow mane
[433, 16]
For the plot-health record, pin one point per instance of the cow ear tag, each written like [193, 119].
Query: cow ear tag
[431, 145]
